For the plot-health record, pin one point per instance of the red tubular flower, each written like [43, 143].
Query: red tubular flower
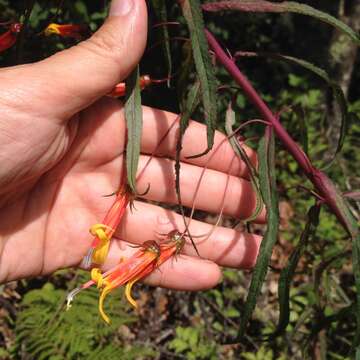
[128, 272]
[103, 232]
[8, 39]
[74, 31]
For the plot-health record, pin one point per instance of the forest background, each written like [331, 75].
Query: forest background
[184, 325]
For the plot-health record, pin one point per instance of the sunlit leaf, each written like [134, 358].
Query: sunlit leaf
[287, 274]
[192, 13]
[351, 225]
[188, 108]
[229, 124]
[283, 7]
[335, 88]
[161, 13]
[269, 193]
[133, 115]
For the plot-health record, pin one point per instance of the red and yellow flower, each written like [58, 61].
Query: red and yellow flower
[128, 272]
[74, 31]
[104, 231]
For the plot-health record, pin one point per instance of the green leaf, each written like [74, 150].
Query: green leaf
[356, 269]
[335, 88]
[184, 78]
[300, 116]
[161, 13]
[192, 13]
[188, 108]
[133, 116]
[229, 123]
[288, 272]
[269, 194]
[283, 7]
[349, 222]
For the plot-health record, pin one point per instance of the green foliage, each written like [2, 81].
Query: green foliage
[320, 308]
[192, 342]
[336, 90]
[192, 13]
[45, 330]
[261, 354]
[288, 272]
[285, 6]
[134, 121]
[161, 13]
[267, 181]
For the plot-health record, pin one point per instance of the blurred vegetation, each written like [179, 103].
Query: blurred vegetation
[202, 325]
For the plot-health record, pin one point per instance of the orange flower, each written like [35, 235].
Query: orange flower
[103, 232]
[128, 272]
[74, 31]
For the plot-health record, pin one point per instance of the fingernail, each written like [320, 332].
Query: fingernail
[120, 7]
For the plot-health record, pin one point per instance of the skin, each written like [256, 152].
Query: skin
[61, 149]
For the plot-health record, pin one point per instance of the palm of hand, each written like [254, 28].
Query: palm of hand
[63, 203]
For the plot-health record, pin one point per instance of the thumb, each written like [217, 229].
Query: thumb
[74, 78]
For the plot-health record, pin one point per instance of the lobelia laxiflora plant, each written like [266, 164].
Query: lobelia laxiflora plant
[326, 191]
[202, 56]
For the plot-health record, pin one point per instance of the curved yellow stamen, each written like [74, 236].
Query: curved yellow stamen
[103, 295]
[99, 231]
[101, 251]
[128, 288]
[97, 277]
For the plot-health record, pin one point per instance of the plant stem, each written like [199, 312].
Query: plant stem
[322, 183]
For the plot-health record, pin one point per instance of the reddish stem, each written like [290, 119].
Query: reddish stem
[254, 97]
[322, 183]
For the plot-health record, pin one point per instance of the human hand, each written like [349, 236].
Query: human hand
[61, 148]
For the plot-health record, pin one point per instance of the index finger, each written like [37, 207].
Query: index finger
[160, 124]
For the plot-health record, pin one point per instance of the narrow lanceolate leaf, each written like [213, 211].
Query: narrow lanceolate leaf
[269, 194]
[192, 13]
[283, 7]
[133, 115]
[299, 112]
[287, 274]
[188, 107]
[161, 14]
[229, 127]
[356, 269]
[335, 88]
[338, 202]
[185, 72]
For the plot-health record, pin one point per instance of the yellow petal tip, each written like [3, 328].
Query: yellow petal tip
[128, 295]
